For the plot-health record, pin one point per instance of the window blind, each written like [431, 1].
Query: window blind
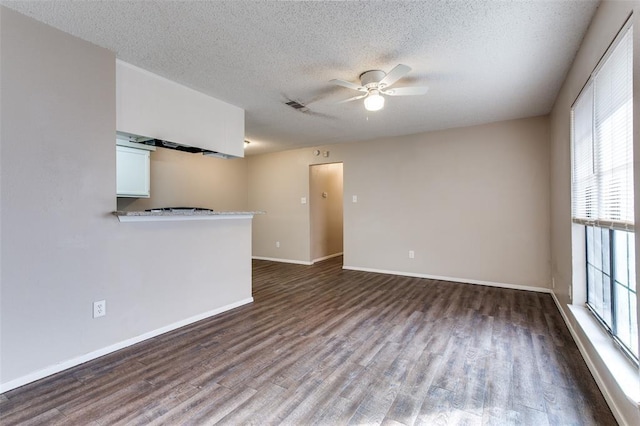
[602, 136]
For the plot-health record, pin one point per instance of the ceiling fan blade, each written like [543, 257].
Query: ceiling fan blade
[347, 84]
[406, 91]
[355, 98]
[394, 75]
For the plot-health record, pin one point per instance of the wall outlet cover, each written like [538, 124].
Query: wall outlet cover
[99, 308]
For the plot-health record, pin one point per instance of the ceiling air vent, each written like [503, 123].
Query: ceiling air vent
[297, 106]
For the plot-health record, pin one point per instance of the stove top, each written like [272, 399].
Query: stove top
[179, 209]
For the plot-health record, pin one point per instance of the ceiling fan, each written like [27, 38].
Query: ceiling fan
[375, 83]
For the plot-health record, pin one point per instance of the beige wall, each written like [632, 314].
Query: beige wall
[61, 248]
[58, 117]
[472, 203]
[608, 20]
[184, 179]
[326, 212]
[276, 183]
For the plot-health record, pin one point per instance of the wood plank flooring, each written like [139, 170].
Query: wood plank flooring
[325, 346]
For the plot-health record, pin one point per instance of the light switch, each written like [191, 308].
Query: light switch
[355, 198]
[303, 200]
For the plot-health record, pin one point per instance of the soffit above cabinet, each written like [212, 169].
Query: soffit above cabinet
[154, 107]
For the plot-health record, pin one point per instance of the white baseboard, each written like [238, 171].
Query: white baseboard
[297, 262]
[458, 280]
[32, 377]
[331, 256]
[274, 259]
[606, 392]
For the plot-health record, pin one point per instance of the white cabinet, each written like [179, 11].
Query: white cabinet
[133, 176]
[152, 106]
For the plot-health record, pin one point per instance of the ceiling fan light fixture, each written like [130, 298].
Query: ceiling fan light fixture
[374, 102]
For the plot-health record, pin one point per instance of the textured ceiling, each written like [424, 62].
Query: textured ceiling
[483, 61]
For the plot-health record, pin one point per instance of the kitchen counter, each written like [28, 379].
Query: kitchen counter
[151, 216]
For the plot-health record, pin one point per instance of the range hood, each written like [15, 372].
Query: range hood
[171, 145]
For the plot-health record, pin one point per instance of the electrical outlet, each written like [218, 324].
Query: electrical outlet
[99, 308]
[303, 200]
[412, 254]
[277, 244]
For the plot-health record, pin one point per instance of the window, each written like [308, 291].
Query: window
[611, 285]
[602, 190]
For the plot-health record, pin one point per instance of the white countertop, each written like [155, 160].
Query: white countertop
[150, 216]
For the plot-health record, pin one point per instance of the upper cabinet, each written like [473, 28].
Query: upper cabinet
[152, 106]
[133, 171]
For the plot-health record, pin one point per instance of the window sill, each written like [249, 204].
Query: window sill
[623, 371]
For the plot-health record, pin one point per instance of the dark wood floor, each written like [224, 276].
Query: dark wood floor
[325, 346]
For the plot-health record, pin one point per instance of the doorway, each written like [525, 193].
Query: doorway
[326, 210]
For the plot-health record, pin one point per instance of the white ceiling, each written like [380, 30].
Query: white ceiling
[483, 61]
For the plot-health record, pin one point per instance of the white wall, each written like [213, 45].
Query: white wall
[473, 203]
[61, 248]
[608, 20]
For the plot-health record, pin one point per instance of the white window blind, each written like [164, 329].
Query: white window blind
[602, 136]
